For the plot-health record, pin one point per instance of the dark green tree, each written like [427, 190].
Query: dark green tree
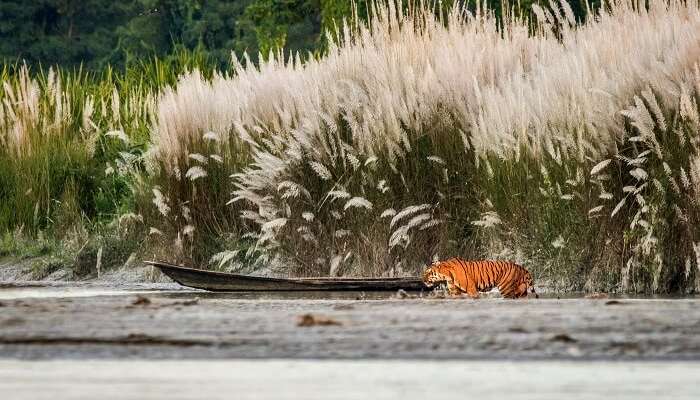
[215, 27]
[95, 33]
[66, 32]
[288, 24]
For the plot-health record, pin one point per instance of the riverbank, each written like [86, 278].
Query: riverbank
[168, 322]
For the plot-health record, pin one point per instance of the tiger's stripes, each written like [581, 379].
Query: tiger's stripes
[472, 277]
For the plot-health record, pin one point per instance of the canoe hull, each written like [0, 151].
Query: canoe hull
[225, 282]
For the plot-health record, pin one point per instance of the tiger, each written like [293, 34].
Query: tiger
[472, 277]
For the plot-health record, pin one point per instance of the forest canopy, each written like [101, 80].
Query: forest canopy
[96, 33]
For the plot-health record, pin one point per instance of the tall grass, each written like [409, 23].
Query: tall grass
[58, 132]
[70, 146]
[571, 148]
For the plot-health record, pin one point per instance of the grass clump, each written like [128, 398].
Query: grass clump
[416, 137]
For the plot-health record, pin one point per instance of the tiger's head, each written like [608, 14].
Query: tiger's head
[529, 284]
[436, 274]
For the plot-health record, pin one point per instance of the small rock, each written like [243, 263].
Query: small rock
[315, 320]
[191, 302]
[562, 337]
[613, 303]
[141, 301]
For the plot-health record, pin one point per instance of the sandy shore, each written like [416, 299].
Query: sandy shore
[167, 323]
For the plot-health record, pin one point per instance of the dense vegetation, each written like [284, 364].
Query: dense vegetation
[410, 136]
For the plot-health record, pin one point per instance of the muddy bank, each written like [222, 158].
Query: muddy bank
[46, 269]
[186, 324]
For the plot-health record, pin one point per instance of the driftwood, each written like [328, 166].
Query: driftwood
[220, 281]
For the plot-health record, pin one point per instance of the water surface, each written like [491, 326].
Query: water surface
[334, 379]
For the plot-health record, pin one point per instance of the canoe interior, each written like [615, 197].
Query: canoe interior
[226, 282]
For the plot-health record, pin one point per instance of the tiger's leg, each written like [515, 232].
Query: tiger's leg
[452, 289]
[522, 290]
[453, 286]
[471, 289]
[514, 290]
[508, 284]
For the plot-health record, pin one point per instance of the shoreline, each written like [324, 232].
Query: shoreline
[172, 323]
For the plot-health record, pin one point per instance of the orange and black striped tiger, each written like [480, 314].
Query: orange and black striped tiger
[472, 277]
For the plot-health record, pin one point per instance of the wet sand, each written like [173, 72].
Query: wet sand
[170, 323]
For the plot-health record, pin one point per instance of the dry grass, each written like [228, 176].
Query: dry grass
[416, 138]
[69, 145]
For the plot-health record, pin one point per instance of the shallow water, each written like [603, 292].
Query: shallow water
[333, 379]
[28, 290]
[45, 290]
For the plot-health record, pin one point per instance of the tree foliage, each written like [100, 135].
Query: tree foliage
[96, 33]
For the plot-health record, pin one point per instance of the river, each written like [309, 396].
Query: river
[70, 341]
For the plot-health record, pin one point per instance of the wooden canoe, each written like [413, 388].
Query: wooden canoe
[225, 282]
